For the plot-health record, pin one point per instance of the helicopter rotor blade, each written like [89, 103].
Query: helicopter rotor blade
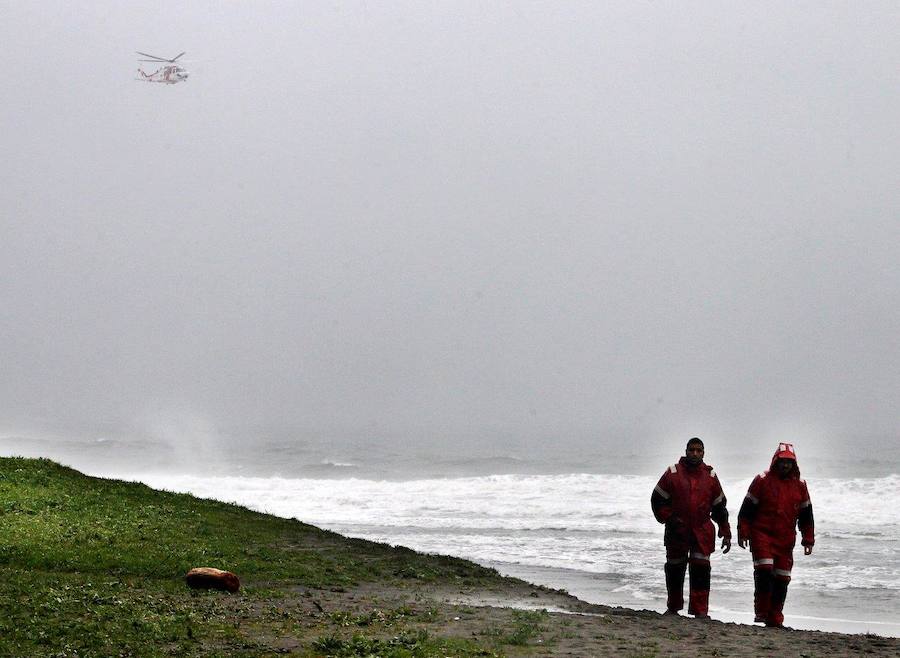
[160, 59]
[155, 58]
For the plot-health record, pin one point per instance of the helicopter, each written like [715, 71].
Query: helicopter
[170, 74]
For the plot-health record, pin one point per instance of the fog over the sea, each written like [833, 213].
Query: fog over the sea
[506, 225]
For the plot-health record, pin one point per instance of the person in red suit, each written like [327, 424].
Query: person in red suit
[686, 497]
[776, 504]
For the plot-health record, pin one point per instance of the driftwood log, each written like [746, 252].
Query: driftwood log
[209, 578]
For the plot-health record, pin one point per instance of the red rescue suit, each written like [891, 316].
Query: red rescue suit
[684, 499]
[774, 507]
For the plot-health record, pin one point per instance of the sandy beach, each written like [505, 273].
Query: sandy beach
[563, 625]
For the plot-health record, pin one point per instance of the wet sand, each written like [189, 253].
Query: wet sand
[801, 611]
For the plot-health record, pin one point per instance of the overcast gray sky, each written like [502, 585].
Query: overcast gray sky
[485, 219]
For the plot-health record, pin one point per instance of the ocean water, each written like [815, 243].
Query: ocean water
[591, 533]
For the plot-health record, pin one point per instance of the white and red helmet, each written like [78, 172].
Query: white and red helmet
[785, 451]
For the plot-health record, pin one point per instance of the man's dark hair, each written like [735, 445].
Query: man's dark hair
[695, 440]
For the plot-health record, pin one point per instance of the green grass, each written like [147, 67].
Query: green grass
[95, 567]
[125, 528]
[526, 627]
[405, 645]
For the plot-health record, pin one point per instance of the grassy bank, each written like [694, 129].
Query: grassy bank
[95, 567]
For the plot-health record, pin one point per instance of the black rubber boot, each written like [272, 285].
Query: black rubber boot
[675, 585]
[763, 579]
